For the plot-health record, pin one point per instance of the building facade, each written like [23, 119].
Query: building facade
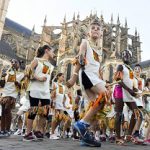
[115, 38]
[19, 42]
[3, 10]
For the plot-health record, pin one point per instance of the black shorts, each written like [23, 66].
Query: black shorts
[35, 101]
[86, 81]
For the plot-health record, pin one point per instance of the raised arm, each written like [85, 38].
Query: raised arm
[78, 62]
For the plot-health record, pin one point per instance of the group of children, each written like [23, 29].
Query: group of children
[98, 111]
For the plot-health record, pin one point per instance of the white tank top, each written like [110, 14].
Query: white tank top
[92, 59]
[147, 105]
[139, 84]
[10, 88]
[41, 89]
[128, 80]
[60, 92]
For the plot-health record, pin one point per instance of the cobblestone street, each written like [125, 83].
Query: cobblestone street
[16, 143]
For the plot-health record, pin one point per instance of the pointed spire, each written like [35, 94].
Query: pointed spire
[95, 14]
[139, 37]
[126, 24]
[33, 30]
[102, 18]
[112, 20]
[65, 18]
[45, 20]
[74, 16]
[78, 16]
[118, 20]
[135, 31]
[91, 14]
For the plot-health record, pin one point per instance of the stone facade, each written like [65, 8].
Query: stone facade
[115, 38]
[66, 40]
[3, 10]
[18, 42]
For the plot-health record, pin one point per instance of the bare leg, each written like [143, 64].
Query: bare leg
[29, 125]
[42, 124]
[99, 89]
[67, 124]
[54, 125]
[137, 124]
[20, 123]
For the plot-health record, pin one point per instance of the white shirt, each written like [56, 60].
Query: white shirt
[68, 104]
[37, 88]
[92, 65]
[138, 100]
[60, 93]
[10, 88]
[128, 81]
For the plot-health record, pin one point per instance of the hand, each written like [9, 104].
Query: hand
[68, 107]
[42, 79]
[138, 95]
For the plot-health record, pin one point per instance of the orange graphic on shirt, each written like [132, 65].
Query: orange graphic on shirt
[45, 69]
[60, 89]
[11, 78]
[131, 75]
[140, 85]
[95, 55]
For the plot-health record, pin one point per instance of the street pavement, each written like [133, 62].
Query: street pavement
[16, 143]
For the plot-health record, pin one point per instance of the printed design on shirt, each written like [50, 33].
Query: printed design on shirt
[60, 89]
[45, 69]
[140, 84]
[131, 74]
[96, 56]
[11, 77]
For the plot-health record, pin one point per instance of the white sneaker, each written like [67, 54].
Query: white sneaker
[97, 136]
[18, 132]
[54, 137]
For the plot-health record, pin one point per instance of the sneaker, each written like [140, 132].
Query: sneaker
[54, 137]
[137, 140]
[128, 138]
[18, 132]
[112, 138]
[38, 135]
[97, 137]
[47, 134]
[75, 137]
[29, 137]
[81, 128]
[90, 143]
[147, 142]
[103, 138]
[87, 137]
[64, 136]
[4, 134]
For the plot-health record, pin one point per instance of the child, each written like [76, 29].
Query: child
[88, 67]
[39, 88]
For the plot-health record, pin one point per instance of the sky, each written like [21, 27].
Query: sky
[32, 12]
